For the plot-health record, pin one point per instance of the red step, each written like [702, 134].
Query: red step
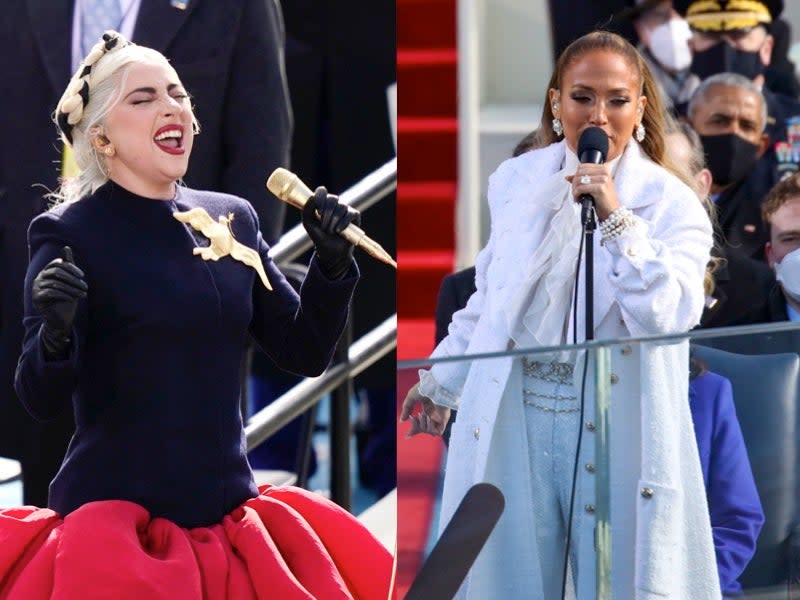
[419, 461]
[419, 276]
[426, 83]
[426, 148]
[426, 23]
[425, 215]
[427, 133]
[414, 340]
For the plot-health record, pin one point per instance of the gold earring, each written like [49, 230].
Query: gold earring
[108, 150]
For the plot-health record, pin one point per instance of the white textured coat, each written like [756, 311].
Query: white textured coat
[647, 281]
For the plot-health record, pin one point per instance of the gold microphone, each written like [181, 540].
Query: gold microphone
[288, 187]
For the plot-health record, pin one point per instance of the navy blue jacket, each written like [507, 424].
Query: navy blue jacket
[733, 502]
[153, 374]
[229, 56]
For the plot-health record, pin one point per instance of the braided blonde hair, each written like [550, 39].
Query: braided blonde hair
[93, 91]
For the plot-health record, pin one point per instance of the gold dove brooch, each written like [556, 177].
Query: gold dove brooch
[220, 234]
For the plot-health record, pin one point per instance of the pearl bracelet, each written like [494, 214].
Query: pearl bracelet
[616, 223]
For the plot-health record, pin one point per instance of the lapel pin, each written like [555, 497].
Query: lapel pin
[179, 4]
[222, 242]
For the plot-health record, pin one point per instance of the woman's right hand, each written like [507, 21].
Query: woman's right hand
[55, 294]
[431, 419]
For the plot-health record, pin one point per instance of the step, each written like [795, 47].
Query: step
[426, 23]
[426, 214]
[427, 148]
[427, 56]
[381, 520]
[419, 277]
[426, 83]
[414, 339]
[10, 470]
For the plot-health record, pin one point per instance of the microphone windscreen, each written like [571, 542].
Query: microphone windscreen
[288, 187]
[592, 140]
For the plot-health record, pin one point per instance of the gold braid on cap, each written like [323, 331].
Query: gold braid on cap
[70, 109]
[703, 5]
[708, 15]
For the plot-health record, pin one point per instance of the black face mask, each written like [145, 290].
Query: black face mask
[722, 58]
[729, 157]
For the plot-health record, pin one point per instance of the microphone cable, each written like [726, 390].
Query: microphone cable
[568, 540]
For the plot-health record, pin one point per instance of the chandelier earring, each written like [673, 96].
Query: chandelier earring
[639, 133]
[558, 128]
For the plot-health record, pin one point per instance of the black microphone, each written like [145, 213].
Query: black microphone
[592, 148]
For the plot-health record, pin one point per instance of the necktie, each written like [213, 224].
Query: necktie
[96, 17]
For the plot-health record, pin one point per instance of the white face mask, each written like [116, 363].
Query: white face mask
[669, 44]
[788, 273]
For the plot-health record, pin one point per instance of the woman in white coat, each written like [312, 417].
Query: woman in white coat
[520, 416]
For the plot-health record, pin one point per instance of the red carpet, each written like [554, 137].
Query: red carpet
[418, 468]
[427, 129]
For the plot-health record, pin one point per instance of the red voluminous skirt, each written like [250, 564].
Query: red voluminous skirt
[285, 544]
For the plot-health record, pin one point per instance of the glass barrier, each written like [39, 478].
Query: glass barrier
[665, 465]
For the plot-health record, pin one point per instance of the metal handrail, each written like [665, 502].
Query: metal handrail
[360, 196]
[363, 353]
[349, 363]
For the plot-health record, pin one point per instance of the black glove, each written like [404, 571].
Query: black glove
[335, 253]
[55, 294]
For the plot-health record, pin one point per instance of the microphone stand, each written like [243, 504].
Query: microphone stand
[589, 225]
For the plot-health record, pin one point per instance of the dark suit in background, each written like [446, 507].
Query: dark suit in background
[340, 58]
[570, 19]
[454, 292]
[741, 287]
[773, 311]
[228, 55]
[739, 213]
[780, 74]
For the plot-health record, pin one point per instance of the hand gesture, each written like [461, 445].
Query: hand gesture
[335, 254]
[596, 181]
[55, 294]
[431, 419]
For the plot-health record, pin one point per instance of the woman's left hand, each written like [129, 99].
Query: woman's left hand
[596, 181]
[431, 419]
[324, 218]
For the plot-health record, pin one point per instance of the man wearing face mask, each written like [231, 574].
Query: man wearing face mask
[728, 112]
[781, 216]
[664, 43]
[735, 36]
[781, 213]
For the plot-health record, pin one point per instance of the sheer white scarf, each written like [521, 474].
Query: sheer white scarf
[537, 312]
